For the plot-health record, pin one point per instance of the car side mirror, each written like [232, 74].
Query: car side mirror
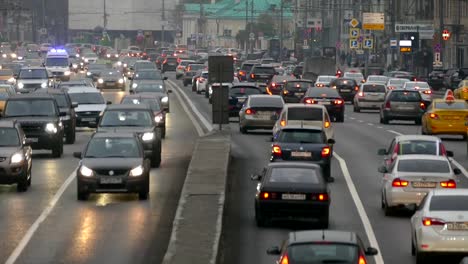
[28, 142]
[169, 91]
[109, 102]
[77, 155]
[165, 78]
[457, 171]
[370, 251]
[450, 153]
[273, 251]
[74, 105]
[381, 152]
[331, 141]
[256, 177]
[382, 169]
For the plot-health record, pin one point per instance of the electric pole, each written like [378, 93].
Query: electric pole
[251, 25]
[246, 24]
[163, 18]
[441, 24]
[104, 16]
[281, 31]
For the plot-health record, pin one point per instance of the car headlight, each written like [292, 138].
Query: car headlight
[158, 118]
[13, 55]
[134, 85]
[86, 60]
[4, 55]
[75, 66]
[116, 55]
[67, 73]
[125, 65]
[160, 86]
[108, 55]
[20, 58]
[44, 85]
[77, 55]
[81, 63]
[148, 136]
[165, 99]
[119, 63]
[51, 128]
[88, 73]
[121, 80]
[11, 80]
[85, 171]
[138, 171]
[17, 158]
[21, 85]
[100, 81]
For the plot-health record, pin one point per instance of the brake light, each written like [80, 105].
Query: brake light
[422, 105]
[326, 151]
[309, 101]
[450, 184]
[273, 85]
[241, 73]
[320, 197]
[443, 151]
[427, 92]
[465, 90]
[391, 87]
[284, 260]
[327, 124]
[428, 221]
[338, 102]
[285, 91]
[283, 123]
[434, 116]
[399, 183]
[361, 94]
[249, 111]
[268, 91]
[265, 195]
[252, 76]
[362, 260]
[276, 150]
[356, 88]
[388, 105]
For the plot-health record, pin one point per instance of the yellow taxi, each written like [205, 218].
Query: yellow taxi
[446, 116]
[5, 92]
[462, 91]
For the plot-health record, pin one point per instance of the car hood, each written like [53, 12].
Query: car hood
[111, 163]
[7, 152]
[33, 119]
[90, 107]
[125, 129]
[28, 81]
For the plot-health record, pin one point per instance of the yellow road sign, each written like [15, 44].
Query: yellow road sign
[354, 22]
[373, 26]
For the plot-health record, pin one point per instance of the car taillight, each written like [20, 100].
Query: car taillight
[273, 85]
[241, 73]
[356, 88]
[276, 150]
[309, 101]
[427, 92]
[465, 90]
[267, 195]
[284, 259]
[362, 260]
[429, 221]
[252, 76]
[326, 151]
[434, 116]
[422, 105]
[391, 87]
[361, 94]
[388, 105]
[285, 91]
[443, 151]
[249, 111]
[320, 197]
[450, 184]
[397, 182]
[338, 102]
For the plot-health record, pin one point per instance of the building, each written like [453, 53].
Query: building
[16, 21]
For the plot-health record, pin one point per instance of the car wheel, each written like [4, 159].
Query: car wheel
[327, 171]
[207, 95]
[80, 195]
[243, 130]
[340, 118]
[143, 195]
[382, 203]
[185, 84]
[210, 101]
[156, 157]
[22, 184]
[324, 222]
[70, 136]
[413, 248]
[417, 121]
[420, 257]
[388, 210]
[30, 179]
[57, 151]
[385, 120]
[356, 108]
[198, 91]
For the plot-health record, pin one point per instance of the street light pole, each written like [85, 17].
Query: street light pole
[281, 30]
[163, 18]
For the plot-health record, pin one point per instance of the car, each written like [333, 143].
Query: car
[297, 71]
[89, 57]
[238, 94]
[143, 65]
[413, 145]
[67, 111]
[328, 97]
[94, 70]
[39, 117]
[438, 226]
[6, 76]
[346, 87]
[151, 75]
[190, 71]
[169, 64]
[201, 83]
[127, 65]
[462, 91]
[303, 143]
[76, 83]
[422, 87]
[261, 73]
[275, 86]
[436, 78]
[155, 105]
[260, 112]
[154, 87]
[324, 80]
[410, 177]
[111, 79]
[396, 83]
[209, 94]
[322, 246]
[453, 77]
[304, 114]
[32, 78]
[181, 67]
[446, 116]
[91, 104]
[17, 153]
[294, 90]
[245, 69]
[138, 119]
[291, 190]
[369, 96]
[377, 79]
[113, 162]
[5, 92]
[357, 76]
[402, 105]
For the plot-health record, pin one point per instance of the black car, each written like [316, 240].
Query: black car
[67, 111]
[436, 79]
[346, 87]
[111, 79]
[303, 143]
[94, 71]
[297, 72]
[261, 73]
[323, 246]
[113, 162]
[39, 116]
[135, 119]
[169, 64]
[146, 75]
[245, 69]
[291, 190]
[190, 71]
[275, 86]
[238, 94]
[294, 90]
[16, 164]
[328, 97]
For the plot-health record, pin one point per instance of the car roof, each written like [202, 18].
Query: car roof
[302, 126]
[128, 107]
[293, 164]
[450, 192]
[322, 235]
[142, 95]
[31, 96]
[417, 137]
[84, 89]
[421, 156]
[113, 135]
[33, 68]
[53, 91]
[7, 123]
[264, 96]
[297, 105]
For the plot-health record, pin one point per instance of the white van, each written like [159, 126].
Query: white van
[58, 64]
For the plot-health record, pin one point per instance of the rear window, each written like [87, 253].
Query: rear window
[306, 113]
[323, 253]
[417, 85]
[266, 102]
[374, 88]
[301, 136]
[240, 91]
[344, 82]
[171, 59]
[296, 85]
[417, 147]
[294, 175]
[449, 203]
[247, 67]
[268, 70]
[420, 165]
[456, 105]
[405, 96]
[319, 92]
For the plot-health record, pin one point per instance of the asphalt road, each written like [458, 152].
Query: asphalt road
[108, 228]
[358, 139]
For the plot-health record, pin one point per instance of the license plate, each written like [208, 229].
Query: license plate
[324, 103]
[451, 117]
[110, 83]
[299, 94]
[241, 100]
[111, 180]
[405, 108]
[457, 226]
[345, 90]
[34, 140]
[288, 196]
[88, 119]
[263, 117]
[424, 184]
[301, 154]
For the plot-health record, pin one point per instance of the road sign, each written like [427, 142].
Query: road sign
[437, 47]
[437, 64]
[220, 69]
[393, 43]
[252, 35]
[405, 49]
[437, 57]
[373, 21]
[354, 22]
[368, 43]
[354, 33]
[446, 34]
[43, 31]
[353, 44]
[426, 31]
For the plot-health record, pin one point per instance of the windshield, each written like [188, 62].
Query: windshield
[87, 98]
[148, 75]
[417, 147]
[377, 79]
[449, 203]
[195, 67]
[145, 65]
[266, 102]
[455, 105]
[323, 253]
[97, 67]
[325, 78]
[153, 103]
[89, 55]
[113, 147]
[423, 166]
[150, 88]
[306, 114]
[354, 75]
[374, 88]
[243, 91]
[318, 92]
[37, 107]
[405, 97]
[51, 62]
[137, 118]
[111, 74]
[301, 136]
[417, 85]
[61, 100]
[33, 74]
[9, 137]
[294, 175]
[268, 70]
[398, 81]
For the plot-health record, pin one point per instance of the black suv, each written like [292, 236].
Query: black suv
[346, 87]
[131, 118]
[39, 116]
[261, 73]
[67, 112]
[15, 160]
[169, 64]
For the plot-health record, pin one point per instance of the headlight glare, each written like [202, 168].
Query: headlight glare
[44, 85]
[121, 80]
[134, 85]
[165, 99]
[100, 81]
[75, 66]
[148, 136]
[88, 73]
[138, 171]
[51, 128]
[20, 85]
[68, 72]
[85, 171]
[158, 118]
[17, 158]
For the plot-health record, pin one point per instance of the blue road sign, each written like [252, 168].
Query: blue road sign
[353, 43]
[368, 43]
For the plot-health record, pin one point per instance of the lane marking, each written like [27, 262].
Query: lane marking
[204, 121]
[394, 132]
[379, 127]
[352, 118]
[370, 124]
[189, 114]
[360, 208]
[35, 226]
[360, 121]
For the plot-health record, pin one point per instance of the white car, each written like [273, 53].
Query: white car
[181, 67]
[202, 82]
[377, 79]
[324, 80]
[396, 83]
[369, 96]
[440, 225]
[357, 76]
[91, 104]
[423, 88]
[89, 57]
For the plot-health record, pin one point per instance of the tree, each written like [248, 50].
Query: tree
[266, 24]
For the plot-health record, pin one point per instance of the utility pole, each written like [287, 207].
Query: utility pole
[163, 20]
[441, 24]
[281, 31]
[251, 24]
[246, 25]
[43, 14]
[104, 16]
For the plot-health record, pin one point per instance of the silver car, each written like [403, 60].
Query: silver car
[402, 105]
[260, 112]
[406, 181]
[396, 83]
[440, 224]
[369, 96]
[422, 87]
[377, 79]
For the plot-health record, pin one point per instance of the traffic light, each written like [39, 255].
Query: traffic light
[446, 34]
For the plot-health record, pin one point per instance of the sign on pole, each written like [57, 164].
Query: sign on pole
[373, 21]
[354, 33]
[220, 71]
[393, 43]
[353, 44]
[354, 23]
[437, 57]
[368, 43]
[426, 31]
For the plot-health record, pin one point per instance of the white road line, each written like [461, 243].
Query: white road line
[352, 118]
[360, 208]
[370, 124]
[29, 234]
[396, 133]
[195, 123]
[204, 121]
[360, 121]
[379, 127]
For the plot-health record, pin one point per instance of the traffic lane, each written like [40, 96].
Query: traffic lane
[243, 241]
[117, 228]
[358, 144]
[453, 143]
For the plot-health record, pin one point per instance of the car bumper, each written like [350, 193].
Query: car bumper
[128, 185]
[12, 174]
[442, 243]
[45, 141]
[397, 197]
[458, 128]
[347, 96]
[257, 123]
[115, 85]
[402, 115]
[89, 121]
[369, 104]
[281, 209]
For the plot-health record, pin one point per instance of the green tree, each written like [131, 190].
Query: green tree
[266, 24]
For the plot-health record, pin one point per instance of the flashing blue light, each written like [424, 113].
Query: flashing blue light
[58, 50]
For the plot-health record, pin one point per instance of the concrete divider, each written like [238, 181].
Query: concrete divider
[197, 224]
